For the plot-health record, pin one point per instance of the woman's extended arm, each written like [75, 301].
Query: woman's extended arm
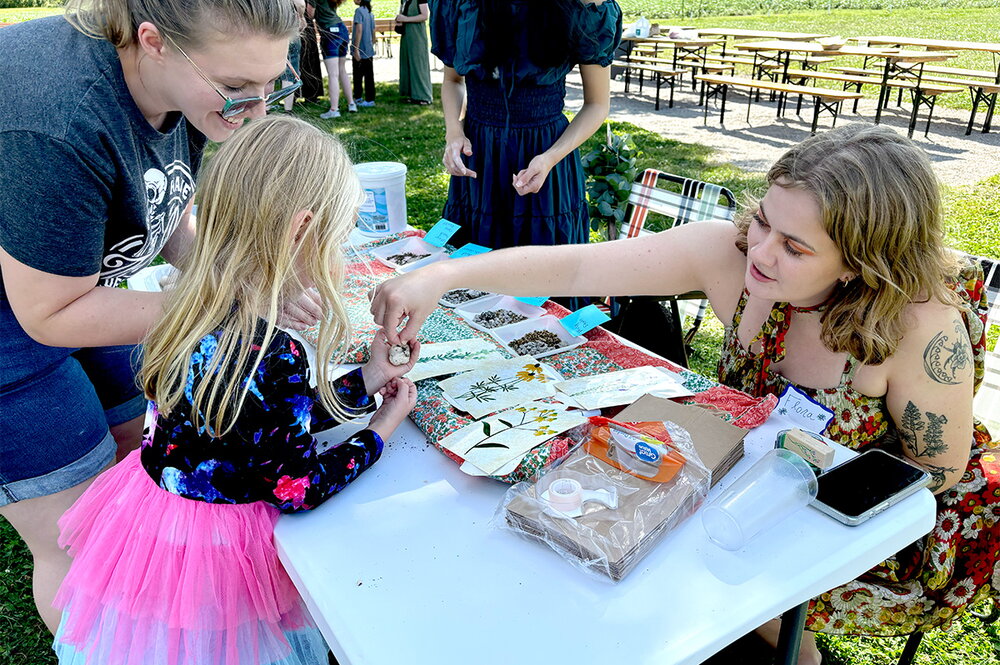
[929, 393]
[657, 264]
[453, 106]
[596, 103]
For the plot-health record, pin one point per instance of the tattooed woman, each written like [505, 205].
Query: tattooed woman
[838, 286]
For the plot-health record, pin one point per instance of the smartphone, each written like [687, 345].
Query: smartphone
[864, 486]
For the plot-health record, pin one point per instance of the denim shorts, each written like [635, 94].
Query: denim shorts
[56, 406]
[333, 39]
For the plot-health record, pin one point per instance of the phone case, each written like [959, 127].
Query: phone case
[853, 520]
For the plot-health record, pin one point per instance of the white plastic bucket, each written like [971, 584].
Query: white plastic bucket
[384, 208]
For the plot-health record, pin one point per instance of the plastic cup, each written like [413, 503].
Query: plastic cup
[777, 485]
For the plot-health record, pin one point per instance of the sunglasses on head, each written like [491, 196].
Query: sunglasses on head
[234, 107]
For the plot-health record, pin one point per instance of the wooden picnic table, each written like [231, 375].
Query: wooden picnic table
[931, 44]
[939, 44]
[741, 33]
[899, 63]
[688, 53]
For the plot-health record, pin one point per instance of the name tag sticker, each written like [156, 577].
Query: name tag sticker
[584, 320]
[441, 232]
[537, 302]
[469, 249]
[803, 410]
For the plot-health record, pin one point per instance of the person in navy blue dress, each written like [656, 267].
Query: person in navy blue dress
[516, 177]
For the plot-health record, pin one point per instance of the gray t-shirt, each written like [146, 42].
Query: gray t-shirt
[365, 22]
[87, 185]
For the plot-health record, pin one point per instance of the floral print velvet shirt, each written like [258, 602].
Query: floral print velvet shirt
[270, 454]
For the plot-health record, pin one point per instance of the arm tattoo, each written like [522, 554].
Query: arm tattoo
[913, 424]
[937, 475]
[944, 358]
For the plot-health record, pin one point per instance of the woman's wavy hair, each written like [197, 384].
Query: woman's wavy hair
[552, 29]
[244, 265]
[881, 205]
[188, 22]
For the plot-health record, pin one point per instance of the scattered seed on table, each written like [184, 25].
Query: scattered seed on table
[495, 318]
[535, 342]
[403, 258]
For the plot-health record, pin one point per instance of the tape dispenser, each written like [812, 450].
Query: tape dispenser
[644, 450]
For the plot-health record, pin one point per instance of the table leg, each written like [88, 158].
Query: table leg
[883, 94]
[790, 635]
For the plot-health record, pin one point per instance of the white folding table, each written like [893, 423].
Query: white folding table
[404, 567]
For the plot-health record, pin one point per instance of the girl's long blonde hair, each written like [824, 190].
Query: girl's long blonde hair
[881, 205]
[246, 262]
[188, 22]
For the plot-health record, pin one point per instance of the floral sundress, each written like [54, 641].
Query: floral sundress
[935, 579]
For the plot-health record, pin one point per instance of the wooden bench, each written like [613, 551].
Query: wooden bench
[693, 65]
[968, 73]
[925, 94]
[659, 73]
[825, 99]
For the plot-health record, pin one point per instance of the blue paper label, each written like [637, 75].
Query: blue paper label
[584, 320]
[441, 232]
[537, 302]
[469, 249]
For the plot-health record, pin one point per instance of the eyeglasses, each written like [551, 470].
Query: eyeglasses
[234, 107]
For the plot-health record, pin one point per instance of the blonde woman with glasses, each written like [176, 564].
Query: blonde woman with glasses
[104, 113]
[173, 554]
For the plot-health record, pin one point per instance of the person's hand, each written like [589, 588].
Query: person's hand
[302, 312]
[455, 147]
[398, 398]
[378, 371]
[408, 298]
[531, 179]
[399, 19]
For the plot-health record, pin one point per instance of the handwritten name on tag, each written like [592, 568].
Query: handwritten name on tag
[804, 411]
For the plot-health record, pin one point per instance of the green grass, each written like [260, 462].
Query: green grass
[414, 135]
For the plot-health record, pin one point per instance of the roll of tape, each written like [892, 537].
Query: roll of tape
[565, 494]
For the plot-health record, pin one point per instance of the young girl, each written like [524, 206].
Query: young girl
[363, 51]
[173, 560]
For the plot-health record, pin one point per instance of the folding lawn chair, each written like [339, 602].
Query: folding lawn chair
[682, 200]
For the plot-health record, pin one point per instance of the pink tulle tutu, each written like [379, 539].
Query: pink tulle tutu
[160, 579]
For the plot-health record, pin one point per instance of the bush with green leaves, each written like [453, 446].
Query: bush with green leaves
[610, 168]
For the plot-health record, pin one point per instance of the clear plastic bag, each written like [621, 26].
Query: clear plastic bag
[604, 519]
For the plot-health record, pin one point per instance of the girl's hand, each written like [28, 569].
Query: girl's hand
[378, 371]
[400, 18]
[454, 148]
[398, 398]
[531, 179]
[302, 312]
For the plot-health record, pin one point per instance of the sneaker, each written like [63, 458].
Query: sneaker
[352, 108]
[366, 104]
[332, 113]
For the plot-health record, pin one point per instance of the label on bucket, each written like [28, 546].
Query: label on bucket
[373, 215]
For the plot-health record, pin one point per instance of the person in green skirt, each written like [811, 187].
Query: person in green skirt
[414, 53]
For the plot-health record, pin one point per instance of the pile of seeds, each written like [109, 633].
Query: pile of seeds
[458, 296]
[403, 258]
[495, 318]
[535, 342]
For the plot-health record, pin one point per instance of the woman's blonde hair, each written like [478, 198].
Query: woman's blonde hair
[880, 203]
[188, 22]
[248, 260]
